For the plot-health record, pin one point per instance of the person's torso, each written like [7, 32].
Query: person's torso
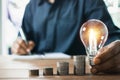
[56, 26]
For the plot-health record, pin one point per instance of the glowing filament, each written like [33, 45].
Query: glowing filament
[92, 41]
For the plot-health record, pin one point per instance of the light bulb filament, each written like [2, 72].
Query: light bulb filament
[92, 42]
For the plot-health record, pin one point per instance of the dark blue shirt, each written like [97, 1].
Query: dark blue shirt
[55, 27]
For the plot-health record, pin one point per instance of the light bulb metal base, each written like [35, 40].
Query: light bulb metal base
[91, 62]
[90, 59]
[91, 55]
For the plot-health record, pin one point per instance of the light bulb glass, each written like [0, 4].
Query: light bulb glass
[93, 34]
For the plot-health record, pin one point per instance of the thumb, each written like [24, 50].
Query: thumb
[31, 45]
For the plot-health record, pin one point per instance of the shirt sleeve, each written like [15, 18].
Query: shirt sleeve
[96, 9]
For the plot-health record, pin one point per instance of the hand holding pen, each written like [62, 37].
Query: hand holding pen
[21, 46]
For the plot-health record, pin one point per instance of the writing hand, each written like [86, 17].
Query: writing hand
[21, 47]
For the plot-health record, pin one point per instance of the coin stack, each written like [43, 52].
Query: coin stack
[34, 72]
[48, 71]
[79, 65]
[62, 68]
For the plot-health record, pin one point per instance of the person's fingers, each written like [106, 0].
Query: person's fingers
[20, 51]
[21, 47]
[22, 43]
[107, 52]
[31, 45]
[110, 65]
[17, 49]
[114, 70]
[102, 67]
[13, 48]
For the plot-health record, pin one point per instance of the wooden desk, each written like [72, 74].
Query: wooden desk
[18, 70]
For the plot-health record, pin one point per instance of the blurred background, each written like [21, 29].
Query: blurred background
[11, 14]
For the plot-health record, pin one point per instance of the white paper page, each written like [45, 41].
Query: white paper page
[45, 56]
[56, 56]
[24, 57]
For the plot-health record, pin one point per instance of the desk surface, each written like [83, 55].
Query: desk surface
[18, 70]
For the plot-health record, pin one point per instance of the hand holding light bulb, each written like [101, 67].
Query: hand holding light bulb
[103, 59]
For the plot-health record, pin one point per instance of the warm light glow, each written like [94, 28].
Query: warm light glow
[92, 41]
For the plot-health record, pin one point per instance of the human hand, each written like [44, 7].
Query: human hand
[108, 59]
[21, 47]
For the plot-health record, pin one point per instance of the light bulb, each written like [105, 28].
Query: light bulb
[93, 34]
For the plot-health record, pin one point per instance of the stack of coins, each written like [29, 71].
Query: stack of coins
[62, 68]
[79, 65]
[48, 71]
[34, 72]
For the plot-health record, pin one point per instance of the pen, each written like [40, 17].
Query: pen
[23, 37]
